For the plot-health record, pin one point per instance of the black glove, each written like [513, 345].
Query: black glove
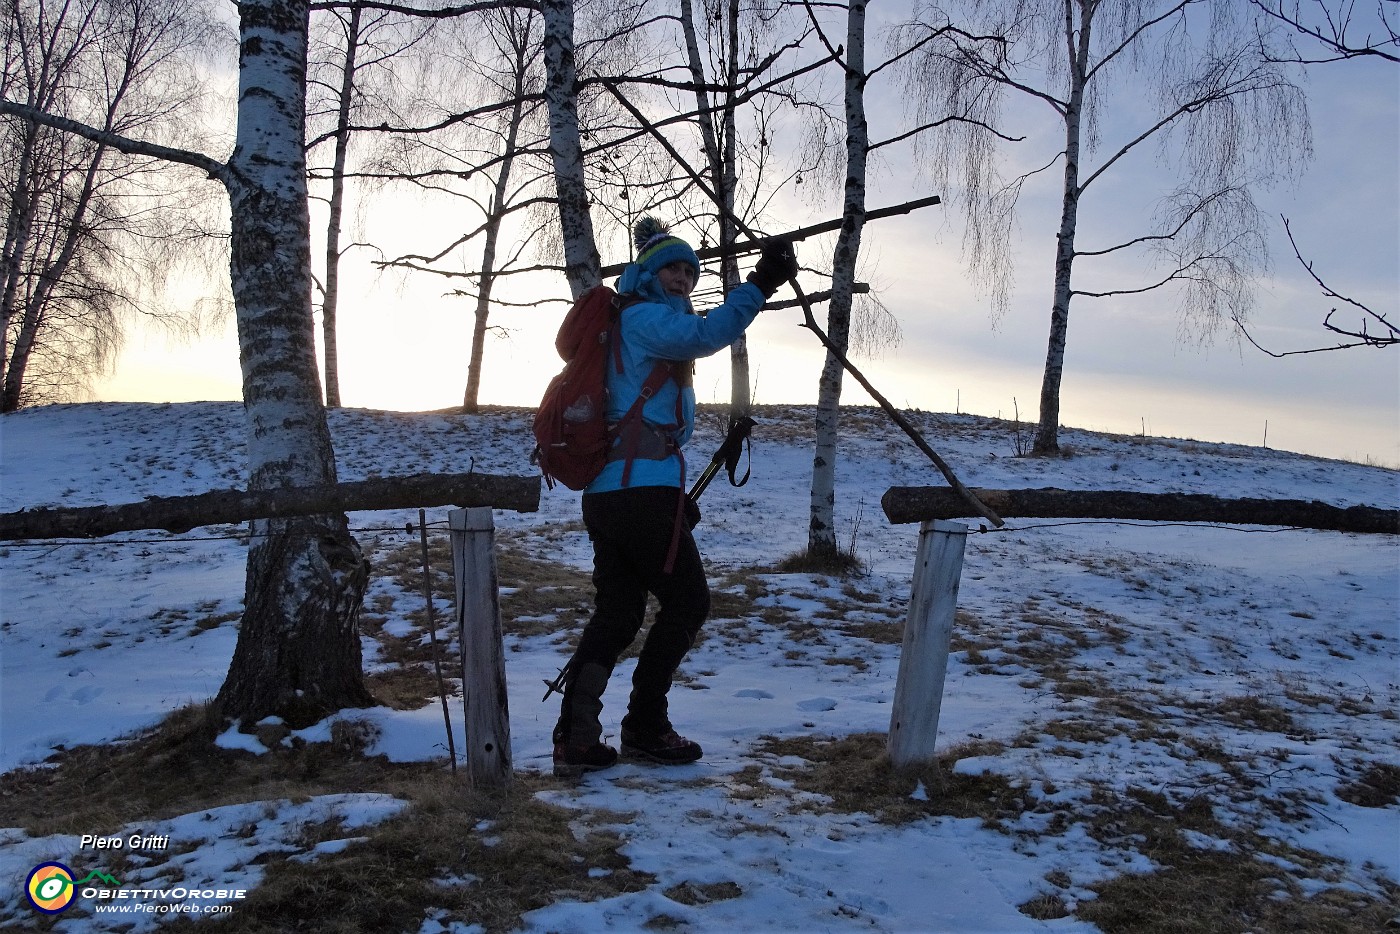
[776, 265]
[692, 513]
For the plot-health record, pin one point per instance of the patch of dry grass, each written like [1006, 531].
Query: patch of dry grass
[546, 597]
[176, 769]
[1377, 786]
[1236, 887]
[477, 857]
[409, 687]
[856, 775]
[833, 564]
[543, 596]
[1254, 713]
[692, 893]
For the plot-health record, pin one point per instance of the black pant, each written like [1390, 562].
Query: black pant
[632, 532]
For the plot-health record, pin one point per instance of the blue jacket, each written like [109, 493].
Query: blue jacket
[663, 327]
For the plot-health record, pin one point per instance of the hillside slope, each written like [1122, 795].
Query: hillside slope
[1141, 722]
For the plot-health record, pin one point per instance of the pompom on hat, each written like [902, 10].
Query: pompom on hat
[657, 247]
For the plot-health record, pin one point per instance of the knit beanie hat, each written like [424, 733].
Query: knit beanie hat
[657, 247]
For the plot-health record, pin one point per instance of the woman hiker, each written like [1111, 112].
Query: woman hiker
[636, 512]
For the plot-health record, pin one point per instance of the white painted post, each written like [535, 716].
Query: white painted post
[487, 709]
[923, 662]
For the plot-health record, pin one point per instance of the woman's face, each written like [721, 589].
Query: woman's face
[677, 278]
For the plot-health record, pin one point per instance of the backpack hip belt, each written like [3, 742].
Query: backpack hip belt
[653, 443]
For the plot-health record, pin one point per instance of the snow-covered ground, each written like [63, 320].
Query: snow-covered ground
[1259, 668]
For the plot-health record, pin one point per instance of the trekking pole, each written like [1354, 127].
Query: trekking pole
[727, 455]
[558, 684]
[981, 508]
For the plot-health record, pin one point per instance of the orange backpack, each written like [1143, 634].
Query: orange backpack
[572, 435]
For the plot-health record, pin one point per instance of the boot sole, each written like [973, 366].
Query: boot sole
[642, 755]
[574, 771]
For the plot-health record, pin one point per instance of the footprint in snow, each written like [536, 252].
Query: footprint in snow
[754, 692]
[87, 695]
[817, 703]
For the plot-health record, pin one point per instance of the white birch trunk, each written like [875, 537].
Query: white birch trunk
[740, 401]
[821, 535]
[495, 213]
[720, 156]
[1047, 437]
[581, 260]
[331, 305]
[298, 650]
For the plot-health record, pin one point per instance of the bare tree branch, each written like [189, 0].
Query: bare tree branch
[1361, 338]
[442, 13]
[216, 170]
[943, 122]
[1332, 31]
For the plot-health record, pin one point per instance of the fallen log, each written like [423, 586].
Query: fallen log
[918, 503]
[181, 513]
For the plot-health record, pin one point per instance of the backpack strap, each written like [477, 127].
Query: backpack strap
[620, 304]
[628, 430]
[679, 521]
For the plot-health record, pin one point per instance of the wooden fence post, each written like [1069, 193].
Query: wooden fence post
[923, 661]
[487, 708]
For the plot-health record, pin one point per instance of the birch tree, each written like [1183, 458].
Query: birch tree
[1193, 78]
[1364, 326]
[581, 260]
[352, 83]
[90, 232]
[491, 150]
[298, 649]
[739, 81]
[821, 534]
[1331, 31]
[869, 326]
[514, 35]
[489, 158]
[736, 98]
[344, 99]
[720, 138]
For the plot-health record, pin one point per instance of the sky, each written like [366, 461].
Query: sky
[1128, 368]
[1184, 631]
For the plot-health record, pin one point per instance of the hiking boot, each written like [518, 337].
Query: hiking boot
[571, 761]
[666, 747]
[578, 745]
